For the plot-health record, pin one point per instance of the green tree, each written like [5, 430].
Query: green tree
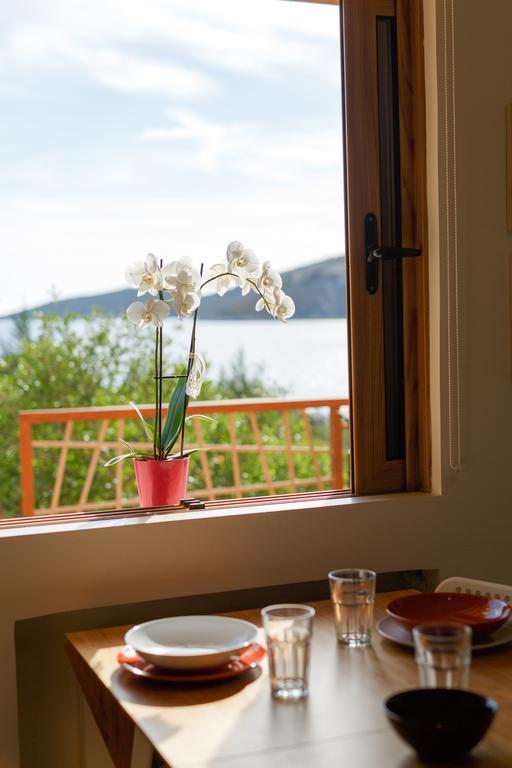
[69, 362]
[65, 362]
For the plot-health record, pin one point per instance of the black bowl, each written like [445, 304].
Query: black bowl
[440, 723]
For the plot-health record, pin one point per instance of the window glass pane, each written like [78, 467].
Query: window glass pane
[172, 127]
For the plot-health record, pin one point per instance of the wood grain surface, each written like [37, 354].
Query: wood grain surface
[372, 472]
[413, 171]
[237, 723]
[508, 138]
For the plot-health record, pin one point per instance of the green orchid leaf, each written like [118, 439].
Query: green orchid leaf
[172, 426]
[117, 459]
[131, 455]
[147, 428]
[201, 416]
[188, 452]
[144, 456]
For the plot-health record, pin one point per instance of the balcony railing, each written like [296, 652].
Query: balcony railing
[291, 445]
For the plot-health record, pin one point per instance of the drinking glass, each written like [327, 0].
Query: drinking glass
[288, 629]
[353, 596]
[443, 654]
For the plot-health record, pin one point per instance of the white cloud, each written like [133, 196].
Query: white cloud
[136, 74]
[112, 68]
[240, 35]
[288, 206]
[82, 246]
[211, 143]
[244, 148]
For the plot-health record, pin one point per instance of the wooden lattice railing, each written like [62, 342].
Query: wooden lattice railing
[289, 438]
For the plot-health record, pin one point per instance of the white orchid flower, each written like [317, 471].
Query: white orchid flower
[244, 263]
[148, 313]
[234, 250]
[183, 282]
[181, 275]
[225, 281]
[146, 276]
[185, 302]
[196, 375]
[284, 306]
[277, 304]
[269, 280]
[267, 303]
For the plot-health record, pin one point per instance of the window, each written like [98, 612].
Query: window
[388, 396]
[385, 178]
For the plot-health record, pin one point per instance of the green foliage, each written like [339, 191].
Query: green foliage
[272, 432]
[69, 362]
[235, 382]
[64, 363]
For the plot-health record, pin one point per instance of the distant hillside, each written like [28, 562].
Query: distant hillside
[318, 290]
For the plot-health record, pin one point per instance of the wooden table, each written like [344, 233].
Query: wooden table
[236, 723]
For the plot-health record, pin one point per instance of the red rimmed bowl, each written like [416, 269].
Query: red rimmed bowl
[483, 614]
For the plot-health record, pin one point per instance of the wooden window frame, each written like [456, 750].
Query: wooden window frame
[373, 472]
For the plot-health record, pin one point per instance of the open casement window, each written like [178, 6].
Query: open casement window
[384, 121]
[384, 150]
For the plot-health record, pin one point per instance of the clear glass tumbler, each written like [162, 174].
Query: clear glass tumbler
[353, 597]
[443, 654]
[288, 629]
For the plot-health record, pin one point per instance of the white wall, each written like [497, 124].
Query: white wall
[464, 531]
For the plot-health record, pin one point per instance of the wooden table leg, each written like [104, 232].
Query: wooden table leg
[142, 752]
[127, 746]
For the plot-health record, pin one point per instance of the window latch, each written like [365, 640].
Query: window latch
[374, 252]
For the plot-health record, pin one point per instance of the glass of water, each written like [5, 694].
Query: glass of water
[353, 596]
[443, 654]
[288, 629]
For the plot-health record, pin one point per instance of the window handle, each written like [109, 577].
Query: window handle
[393, 253]
[374, 252]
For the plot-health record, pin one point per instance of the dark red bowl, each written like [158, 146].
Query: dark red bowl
[483, 614]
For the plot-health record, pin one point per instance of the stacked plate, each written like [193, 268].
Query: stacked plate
[191, 648]
[487, 617]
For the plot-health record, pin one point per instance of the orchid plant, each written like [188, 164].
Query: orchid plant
[180, 285]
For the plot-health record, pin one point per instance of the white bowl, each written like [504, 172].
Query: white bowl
[191, 642]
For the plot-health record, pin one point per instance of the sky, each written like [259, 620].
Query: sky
[169, 126]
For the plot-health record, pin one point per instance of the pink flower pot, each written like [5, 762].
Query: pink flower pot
[161, 483]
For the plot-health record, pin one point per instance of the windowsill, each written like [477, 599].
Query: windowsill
[244, 509]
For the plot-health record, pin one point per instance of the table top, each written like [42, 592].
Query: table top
[237, 723]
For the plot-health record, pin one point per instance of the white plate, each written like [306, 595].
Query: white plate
[394, 631]
[191, 642]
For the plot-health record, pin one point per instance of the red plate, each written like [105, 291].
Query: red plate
[483, 614]
[129, 660]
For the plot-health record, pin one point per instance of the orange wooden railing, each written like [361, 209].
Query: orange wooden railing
[107, 417]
